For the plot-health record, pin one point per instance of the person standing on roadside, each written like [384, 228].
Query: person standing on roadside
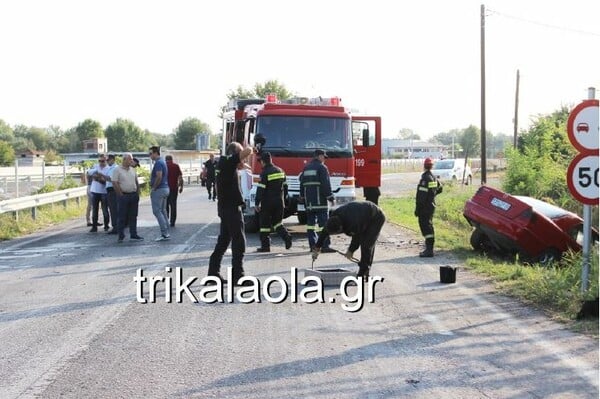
[159, 192]
[427, 189]
[270, 194]
[210, 168]
[111, 196]
[127, 191]
[229, 209]
[98, 190]
[175, 178]
[315, 191]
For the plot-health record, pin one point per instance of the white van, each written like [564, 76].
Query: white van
[452, 170]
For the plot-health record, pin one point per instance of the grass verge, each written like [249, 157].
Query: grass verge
[556, 290]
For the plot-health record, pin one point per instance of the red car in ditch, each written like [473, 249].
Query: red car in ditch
[535, 230]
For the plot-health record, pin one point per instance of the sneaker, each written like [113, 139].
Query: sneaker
[261, 249]
[327, 250]
[288, 243]
[94, 229]
[163, 237]
[120, 239]
[112, 232]
[136, 238]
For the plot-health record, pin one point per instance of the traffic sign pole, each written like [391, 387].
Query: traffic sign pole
[587, 230]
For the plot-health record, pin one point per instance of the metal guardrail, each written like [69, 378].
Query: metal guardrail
[33, 201]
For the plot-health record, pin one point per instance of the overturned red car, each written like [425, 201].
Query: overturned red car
[516, 225]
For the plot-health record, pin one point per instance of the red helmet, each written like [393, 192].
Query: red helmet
[428, 162]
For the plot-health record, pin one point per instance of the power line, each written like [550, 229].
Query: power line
[545, 25]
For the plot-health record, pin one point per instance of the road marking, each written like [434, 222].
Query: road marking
[437, 325]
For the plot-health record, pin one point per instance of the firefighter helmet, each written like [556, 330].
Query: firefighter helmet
[428, 162]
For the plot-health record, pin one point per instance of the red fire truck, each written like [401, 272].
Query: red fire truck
[291, 130]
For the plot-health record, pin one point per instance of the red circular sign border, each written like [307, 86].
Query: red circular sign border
[571, 120]
[572, 189]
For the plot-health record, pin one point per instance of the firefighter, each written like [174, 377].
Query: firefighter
[270, 194]
[429, 186]
[361, 220]
[315, 191]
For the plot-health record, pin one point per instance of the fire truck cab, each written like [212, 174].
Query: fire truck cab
[291, 130]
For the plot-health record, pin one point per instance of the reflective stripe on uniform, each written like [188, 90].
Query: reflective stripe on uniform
[310, 227]
[277, 225]
[312, 183]
[261, 185]
[432, 184]
[318, 229]
[429, 236]
[265, 229]
[274, 176]
[312, 207]
[421, 188]
[310, 172]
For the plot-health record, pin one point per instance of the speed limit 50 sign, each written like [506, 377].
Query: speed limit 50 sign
[582, 178]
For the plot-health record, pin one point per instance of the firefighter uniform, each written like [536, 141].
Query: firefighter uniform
[270, 194]
[427, 189]
[361, 220]
[315, 189]
[229, 206]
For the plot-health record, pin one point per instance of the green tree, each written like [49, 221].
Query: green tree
[185, 134]
[124, 135]
[39, 137]
[261, 90]
[163, 140]
[538, 167]
[6, 132]
[470, 141]
[7, 154]
[88, 129]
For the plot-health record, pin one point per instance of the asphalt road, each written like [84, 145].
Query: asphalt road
[71, 326]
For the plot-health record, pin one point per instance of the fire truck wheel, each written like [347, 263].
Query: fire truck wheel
[251, 223]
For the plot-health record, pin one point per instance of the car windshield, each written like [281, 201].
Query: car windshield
[445, 164]
[542, 207]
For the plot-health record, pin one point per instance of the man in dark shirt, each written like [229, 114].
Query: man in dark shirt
[229, 208]
[361, 220]
[175, 179]
[210, 167]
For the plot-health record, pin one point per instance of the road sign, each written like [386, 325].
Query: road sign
[582, 178]
[582, 126]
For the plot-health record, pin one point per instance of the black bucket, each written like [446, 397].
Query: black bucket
[447, 274]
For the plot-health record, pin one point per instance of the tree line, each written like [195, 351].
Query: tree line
[122, 135]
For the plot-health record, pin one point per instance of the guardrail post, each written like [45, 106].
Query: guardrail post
[17, 178]
[43, 174]
[16, 215]
[33, 212]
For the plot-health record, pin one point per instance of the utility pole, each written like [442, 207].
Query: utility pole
[483, 149]
[516, 118]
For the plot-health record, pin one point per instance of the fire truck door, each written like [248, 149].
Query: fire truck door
[366, 138]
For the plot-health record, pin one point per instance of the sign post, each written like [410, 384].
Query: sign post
[582, 174]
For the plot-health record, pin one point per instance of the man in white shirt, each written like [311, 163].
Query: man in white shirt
[98, 190]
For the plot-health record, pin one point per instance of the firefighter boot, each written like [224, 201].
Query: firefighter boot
[285, 235]
[265, 243]
[428, 253]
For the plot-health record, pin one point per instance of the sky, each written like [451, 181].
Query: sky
[415, 64]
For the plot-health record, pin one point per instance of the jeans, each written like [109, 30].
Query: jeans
[128, 211]
[159, 198]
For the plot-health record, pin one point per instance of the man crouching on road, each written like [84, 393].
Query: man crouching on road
[363, 222]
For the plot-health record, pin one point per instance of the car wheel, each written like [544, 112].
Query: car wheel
[549, 256]
[478, 240]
